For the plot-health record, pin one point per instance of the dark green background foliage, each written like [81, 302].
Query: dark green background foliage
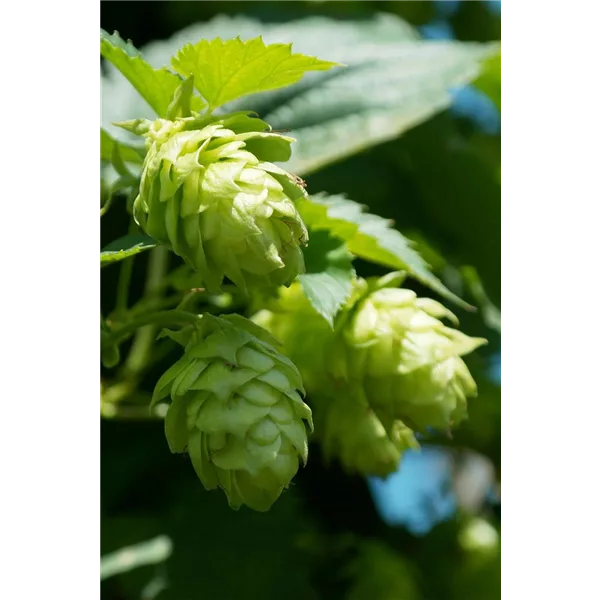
[440, 183]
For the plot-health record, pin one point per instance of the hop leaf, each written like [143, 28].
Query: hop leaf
[236, 408]
[210, 192]
[226, 70]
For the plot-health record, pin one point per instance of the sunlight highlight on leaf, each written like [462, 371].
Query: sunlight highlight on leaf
[370, 237]
[230, 69]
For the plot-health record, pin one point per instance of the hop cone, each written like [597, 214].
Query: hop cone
[364, 440]
[209, 191]
[236, 409]
[348, 428]
[407, 359]
[387, 343]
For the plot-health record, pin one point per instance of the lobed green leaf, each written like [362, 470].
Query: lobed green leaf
[370, 237]
[226, 70]
[156, 86]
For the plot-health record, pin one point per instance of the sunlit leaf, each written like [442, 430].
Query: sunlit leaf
[230, 69]
[370, 237]
[156, 86]
[328, 280]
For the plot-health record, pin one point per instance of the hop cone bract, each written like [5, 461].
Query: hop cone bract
[210, 192]
[236, 409]
[407, 360]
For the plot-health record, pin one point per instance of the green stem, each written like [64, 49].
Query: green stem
[113, 397]
[142, 343]
[135, 413]
[163, 318]
[107, 204]
[155, 304]
[124, 281]
[157, 268]
[187, 300]
[123, 284]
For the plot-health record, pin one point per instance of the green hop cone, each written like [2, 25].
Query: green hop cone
[364, 440]
[406, 359]
[236, 409]
[211, 193]
[388, 343]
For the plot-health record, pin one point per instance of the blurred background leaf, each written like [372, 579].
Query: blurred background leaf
[123, 560]
[489, 79]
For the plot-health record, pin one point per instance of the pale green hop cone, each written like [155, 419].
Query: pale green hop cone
[236, 408]
[363, 440]
[388, 343]
[210, 192]
[406, 359]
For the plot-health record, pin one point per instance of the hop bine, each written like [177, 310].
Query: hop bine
[211, 193]
[236, 408]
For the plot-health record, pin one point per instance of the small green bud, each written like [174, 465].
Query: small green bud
[236, 408]
[211, 193]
